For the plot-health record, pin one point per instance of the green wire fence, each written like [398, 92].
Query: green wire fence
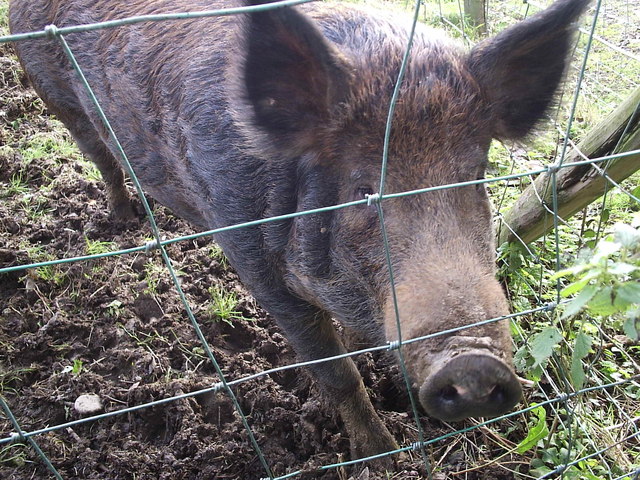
[562, 399]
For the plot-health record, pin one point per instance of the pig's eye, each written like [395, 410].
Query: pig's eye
[363, 192]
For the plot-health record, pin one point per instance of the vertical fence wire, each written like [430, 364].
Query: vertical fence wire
[568, 407]
[20, 436]
[385, 239]
[53, 31]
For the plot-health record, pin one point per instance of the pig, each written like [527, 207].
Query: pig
[239, 118]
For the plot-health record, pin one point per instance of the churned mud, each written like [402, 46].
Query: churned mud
[116, 328]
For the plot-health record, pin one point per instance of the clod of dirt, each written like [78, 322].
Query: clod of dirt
[147, 308]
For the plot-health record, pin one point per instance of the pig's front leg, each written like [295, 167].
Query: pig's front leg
[341, 381]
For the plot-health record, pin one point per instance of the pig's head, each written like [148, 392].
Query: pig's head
[312, 92]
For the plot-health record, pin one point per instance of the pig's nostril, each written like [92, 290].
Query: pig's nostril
[449, 393]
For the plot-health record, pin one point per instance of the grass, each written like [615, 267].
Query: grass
[155, 274]
[47, 273]
[4, 17]
[89, 170]
[30, 198]
[223, 306]
[98, 247]
[216, 253]
[55, 145]
[13, 455]
[35, 207]
[17, 186]
[10, 377]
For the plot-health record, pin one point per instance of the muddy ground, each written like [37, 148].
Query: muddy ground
[116, 328]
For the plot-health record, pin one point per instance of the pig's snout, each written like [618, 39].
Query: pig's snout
[470, 385]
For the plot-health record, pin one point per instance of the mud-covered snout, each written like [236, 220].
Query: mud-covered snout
[470, 385]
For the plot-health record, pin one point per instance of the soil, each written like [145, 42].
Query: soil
[116, 328]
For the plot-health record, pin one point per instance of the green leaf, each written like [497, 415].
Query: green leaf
[543, 343]
[537, 432]
[582, 345]
[580, 301]
[631, 326]
[551, 456]
[629, 292]
[626, 235]
[589, 476]
[574, 270]
[542, 471]
[574, 287]
[520, 358]
[602, 303]
[581, 348]
[621, 268]
[636, 192]
[605, 249]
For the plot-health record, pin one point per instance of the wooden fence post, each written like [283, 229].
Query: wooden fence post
[580, 185]
[475, 11]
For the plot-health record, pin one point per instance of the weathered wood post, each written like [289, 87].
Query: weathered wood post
[578, 186]
[475, 11]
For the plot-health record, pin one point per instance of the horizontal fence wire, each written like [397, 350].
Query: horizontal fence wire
[389, 346]
[154, 244]
[52, 29]
[377, 200]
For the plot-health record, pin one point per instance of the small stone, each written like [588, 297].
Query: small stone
[88, 404]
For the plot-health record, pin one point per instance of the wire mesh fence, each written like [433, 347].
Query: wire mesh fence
[575, 442]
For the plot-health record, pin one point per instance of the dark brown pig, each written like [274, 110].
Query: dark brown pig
[233, 119]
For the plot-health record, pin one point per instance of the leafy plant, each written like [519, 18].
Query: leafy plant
[115, 308]
[604, 283]
[557, 453]
[77, 367]
[538, 430]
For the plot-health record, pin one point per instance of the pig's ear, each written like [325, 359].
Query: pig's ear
[289, 79]
[520, 69]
